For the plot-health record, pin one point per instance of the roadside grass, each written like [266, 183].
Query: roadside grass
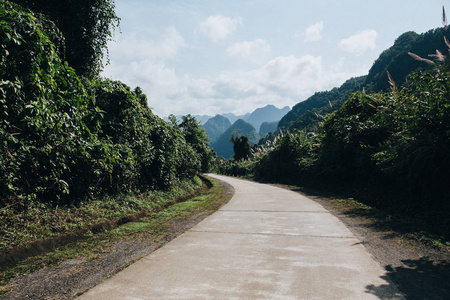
[38, 221]
[393, 221]
[406, 227]
[153, 227]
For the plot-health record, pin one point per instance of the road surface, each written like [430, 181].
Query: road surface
[266, 243]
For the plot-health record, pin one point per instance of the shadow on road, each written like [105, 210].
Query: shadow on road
[417, 279]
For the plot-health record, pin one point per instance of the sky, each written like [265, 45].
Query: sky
[207, 57]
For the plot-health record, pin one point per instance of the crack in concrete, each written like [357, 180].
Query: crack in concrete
[276, 234]
[278, 211]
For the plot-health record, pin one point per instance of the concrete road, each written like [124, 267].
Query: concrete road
[266, 243]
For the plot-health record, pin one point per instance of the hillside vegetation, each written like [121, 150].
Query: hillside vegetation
[67, 136]
[216, 126]
[307, 114]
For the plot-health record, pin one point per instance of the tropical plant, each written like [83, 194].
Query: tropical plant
[86, 26]
[63, 140]
[44, 112]
[241, 146]
[197, 138]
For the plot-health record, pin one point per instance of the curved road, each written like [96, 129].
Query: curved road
[266, 243]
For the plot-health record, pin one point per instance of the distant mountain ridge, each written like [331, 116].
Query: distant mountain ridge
[216, 126]
[306, 115]
[221, 127]
[268, 113]
[233, 118]
[267, 127]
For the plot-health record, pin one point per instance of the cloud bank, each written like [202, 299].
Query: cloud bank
[254, 51]
[314, 32]
[360, 42]
[218, 27]
[280, 79]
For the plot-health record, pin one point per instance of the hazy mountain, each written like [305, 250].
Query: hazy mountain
[267, 127]
[268, 113]
[202, 118]
[214, 127]
[233, 118]
[223, 145]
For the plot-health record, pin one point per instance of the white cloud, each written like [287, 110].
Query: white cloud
[219, 27]
[285, 80]
[161, 45]
[284, 75]
[253, 50]
[360, 42]
[313, 33]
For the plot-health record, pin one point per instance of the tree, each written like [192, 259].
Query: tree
[87, 26]
[241, 147]
[47, 150]
[198, 139]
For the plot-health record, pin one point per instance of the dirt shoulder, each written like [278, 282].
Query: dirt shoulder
[72, 277]
[419, 271]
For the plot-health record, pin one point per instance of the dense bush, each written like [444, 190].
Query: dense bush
[43, 114]
[198, 139]
[289, 159]
[416, 156]
[63, 140]
[87, 26]
[349, 137]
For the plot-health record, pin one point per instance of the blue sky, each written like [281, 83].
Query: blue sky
[210, 56]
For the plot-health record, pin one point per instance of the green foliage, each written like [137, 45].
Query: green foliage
[63, 141]
[38, 222]
[241, 147]
[308, 114]
[417, 154]
[389, 59]
[197, 138]
[161, 153]
[350, 137]
[397, 61]
[290, 159]
[231, 167]
[44, 109]
[86, 26]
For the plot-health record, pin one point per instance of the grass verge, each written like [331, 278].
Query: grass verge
[402, 225]
[154, 226]
[406, 227]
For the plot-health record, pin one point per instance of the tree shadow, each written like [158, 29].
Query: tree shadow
[394, 221]
[416, 279]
